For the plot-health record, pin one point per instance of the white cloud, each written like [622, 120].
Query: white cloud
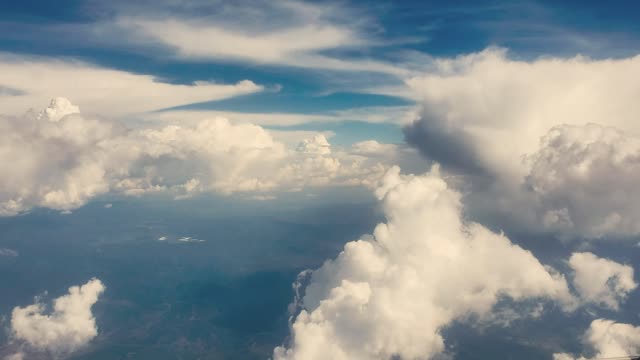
[189, 239]
[98, 90]
[375, 114]
[8, 252]
[268, 119]
[585, 178]
[485, 114]
[601, 281]
[503, 106]
[57, 164]
[316, 145]
[63, 160]
[70, 326]
[610, 340]
[205, 40]
[392, 293]
[284, 33]
[16, 356]
[372, 147]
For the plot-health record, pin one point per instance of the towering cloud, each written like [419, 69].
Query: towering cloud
[584, 179]
[57, 158]
[501, 107]
[68, 327]
[392, 293]
[557, 137]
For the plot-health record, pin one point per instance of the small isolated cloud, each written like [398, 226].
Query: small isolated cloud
[609, 340]
[162, 238]
[108, 206]
[390, 294]
[68, 327]
[601, 281]
[189, 239]
[8, 252]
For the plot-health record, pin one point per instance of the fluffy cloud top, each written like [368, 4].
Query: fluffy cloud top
[502, 107]
[391, 293]
[610, 340]
[585, 179]
[485, 114]
[68, 327]
[60, 159]
[601, 281]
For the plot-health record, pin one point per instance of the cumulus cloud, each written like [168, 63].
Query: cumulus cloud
[54, 159]
[315, 145]
[601, 281]
[189, 239]
[502, 107]
[391, 294]
[60, 159]
[99, 90]
[585, 180]
[609, 340]
[16, 356]
[69, 326]
[556, 136]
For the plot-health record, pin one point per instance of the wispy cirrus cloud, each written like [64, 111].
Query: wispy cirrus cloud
[99, 90]
[301, 36]
[328, 36]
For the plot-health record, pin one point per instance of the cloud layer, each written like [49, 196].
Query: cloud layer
[60, 159]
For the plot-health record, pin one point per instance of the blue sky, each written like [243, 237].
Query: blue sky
[401, 33]
[311, 180]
